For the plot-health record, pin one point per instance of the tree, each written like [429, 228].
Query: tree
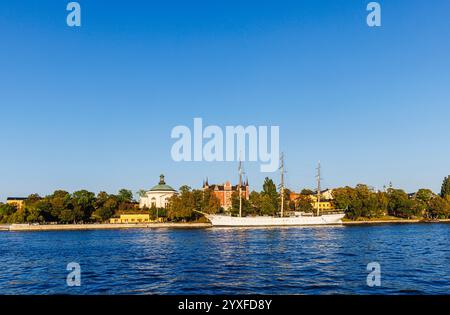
[84, 205]
[306, 191]
[304, 204]
[125, 196]
[383, 202]
[70, 216]
[400, 205]
[141, 193]
[103, 214]
[269, 195]
[106, 206]
[235, 204]
[39, 211]
[255, 203]
[267, 205]
[32, 199]
[181, 206]
[361, 201]
[6, 211]
[287, 200]
[210, 202]
[445, 189]
[424, 195]
[438, 208]
[343, 197]
[20, 216]
[185, 188]
[60, 200]
[101, 199]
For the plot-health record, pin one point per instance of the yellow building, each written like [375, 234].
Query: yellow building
[323, 205]
[132, 218]
[19, 202]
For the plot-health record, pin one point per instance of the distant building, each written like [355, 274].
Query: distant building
[158, 196]
[225, 191]
[131, 219]
[326, 194]
[19, 202]
[325, 204]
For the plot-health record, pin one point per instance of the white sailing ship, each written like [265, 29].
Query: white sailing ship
[296, 219]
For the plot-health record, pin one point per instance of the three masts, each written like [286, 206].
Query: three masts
[282, 220]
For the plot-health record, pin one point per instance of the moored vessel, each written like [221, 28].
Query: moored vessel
[229, 221]
[293, 219]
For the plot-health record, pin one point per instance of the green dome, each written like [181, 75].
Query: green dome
[162, 185]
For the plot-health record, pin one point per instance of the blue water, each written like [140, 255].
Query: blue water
[414, 259]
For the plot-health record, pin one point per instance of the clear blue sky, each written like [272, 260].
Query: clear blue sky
[93, 107]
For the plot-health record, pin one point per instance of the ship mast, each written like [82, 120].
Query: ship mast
[240, 188]
[318, 189]
[282, 184]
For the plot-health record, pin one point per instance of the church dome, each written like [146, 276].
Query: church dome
[162, 185]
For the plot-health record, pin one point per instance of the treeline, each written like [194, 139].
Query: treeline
[183, 206]
[62, 207]
[358, 202]
[364, 202]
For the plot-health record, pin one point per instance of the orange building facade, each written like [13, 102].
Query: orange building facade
[225, 191]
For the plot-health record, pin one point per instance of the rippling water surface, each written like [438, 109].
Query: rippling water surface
[414, 259]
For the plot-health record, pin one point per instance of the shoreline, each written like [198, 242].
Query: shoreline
[108, 226]
[395, 221]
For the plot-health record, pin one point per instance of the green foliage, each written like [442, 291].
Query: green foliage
[363, 202]
[62, 207]
[141, 193]
[255, 203]
[304, 204]
[445, 190]
[270, 200]
[246, 206]
[307, 192]
[359, 202]
[425, 195]
[125, 195]
[103, 214]
[400, 205]
[182, 206]
[210, 203]
[438, 208]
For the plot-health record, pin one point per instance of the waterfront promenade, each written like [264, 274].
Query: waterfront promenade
[77, 227]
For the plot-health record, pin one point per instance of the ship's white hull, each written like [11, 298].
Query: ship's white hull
[327, 219]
